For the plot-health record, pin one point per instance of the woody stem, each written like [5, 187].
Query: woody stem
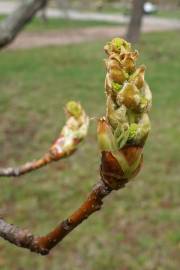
[43, 244]
[27, 167]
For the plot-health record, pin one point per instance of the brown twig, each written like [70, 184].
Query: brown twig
[43, 244]
[71, 135]
[27, 167]
[36, 164]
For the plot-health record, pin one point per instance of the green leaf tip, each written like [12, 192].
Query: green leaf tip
[132, 131]
[118, 43]
[116, 86]
[74, 108]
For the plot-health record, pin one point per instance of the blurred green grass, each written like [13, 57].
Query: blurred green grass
[138, 227]
[172, 13]
[52, 24]
[39, 25]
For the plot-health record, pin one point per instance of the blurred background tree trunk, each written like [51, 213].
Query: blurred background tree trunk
[134, 27]
[64, 5]
[13, 24]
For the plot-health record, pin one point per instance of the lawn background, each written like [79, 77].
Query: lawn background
[138, 227]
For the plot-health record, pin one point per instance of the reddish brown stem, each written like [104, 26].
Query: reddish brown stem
[27, 167]
[33, 165]
[44, 244]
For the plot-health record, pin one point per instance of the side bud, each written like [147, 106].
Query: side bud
[73, 132]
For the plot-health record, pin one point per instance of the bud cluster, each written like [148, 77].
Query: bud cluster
[123, 132]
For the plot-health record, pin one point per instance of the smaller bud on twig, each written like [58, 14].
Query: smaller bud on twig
[73, 132]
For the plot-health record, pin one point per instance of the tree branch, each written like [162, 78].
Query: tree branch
[14, 23]
[71, 135]
[43, 244]
[121, 151]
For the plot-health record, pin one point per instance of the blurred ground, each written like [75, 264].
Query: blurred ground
[62, 37]
[138, 227]
[59, 30]
[70, 36]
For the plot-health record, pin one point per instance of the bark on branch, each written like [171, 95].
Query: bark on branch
[43, 244]
[14, 23]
